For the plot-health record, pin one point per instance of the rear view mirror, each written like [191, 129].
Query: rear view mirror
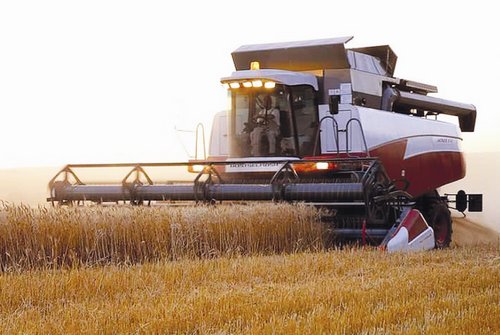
[334, 104]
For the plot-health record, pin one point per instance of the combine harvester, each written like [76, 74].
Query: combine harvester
[317, 123]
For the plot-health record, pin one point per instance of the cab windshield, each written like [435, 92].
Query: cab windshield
[272, 122]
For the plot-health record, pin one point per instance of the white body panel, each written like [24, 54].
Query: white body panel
[382, 127]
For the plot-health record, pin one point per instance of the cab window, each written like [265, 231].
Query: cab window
[306, 118]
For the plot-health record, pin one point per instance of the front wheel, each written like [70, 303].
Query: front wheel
[440, 221]
[438, 217]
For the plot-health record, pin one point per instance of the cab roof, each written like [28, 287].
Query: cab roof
[279, 76]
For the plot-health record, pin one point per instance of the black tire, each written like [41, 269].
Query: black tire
[441, 223]
[438, 217]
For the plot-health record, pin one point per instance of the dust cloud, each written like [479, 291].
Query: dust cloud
[26, 185]
[483, 176]
[467, 233]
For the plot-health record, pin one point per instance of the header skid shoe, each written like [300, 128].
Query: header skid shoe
[412, 234]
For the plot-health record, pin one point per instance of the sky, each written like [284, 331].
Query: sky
[111, 81]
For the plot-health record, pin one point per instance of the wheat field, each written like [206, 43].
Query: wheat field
[229, 270]
[66, 237]
[353, 291]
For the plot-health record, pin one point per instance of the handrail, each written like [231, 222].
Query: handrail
[198, 127]
[336, 131]
[335, 127]
[362, 136]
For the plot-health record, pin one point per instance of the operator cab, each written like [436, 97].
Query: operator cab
[273, 113]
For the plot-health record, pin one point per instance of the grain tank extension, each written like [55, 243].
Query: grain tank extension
[316, 122]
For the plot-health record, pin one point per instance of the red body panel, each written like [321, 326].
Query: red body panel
[421, 173]
[424, 172]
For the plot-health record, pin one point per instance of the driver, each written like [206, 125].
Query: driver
[267, 123]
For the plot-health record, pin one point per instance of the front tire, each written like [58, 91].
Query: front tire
[438, 217]
[441, 223]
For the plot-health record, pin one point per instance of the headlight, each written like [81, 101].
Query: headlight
[257, 83]
[270, 84]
